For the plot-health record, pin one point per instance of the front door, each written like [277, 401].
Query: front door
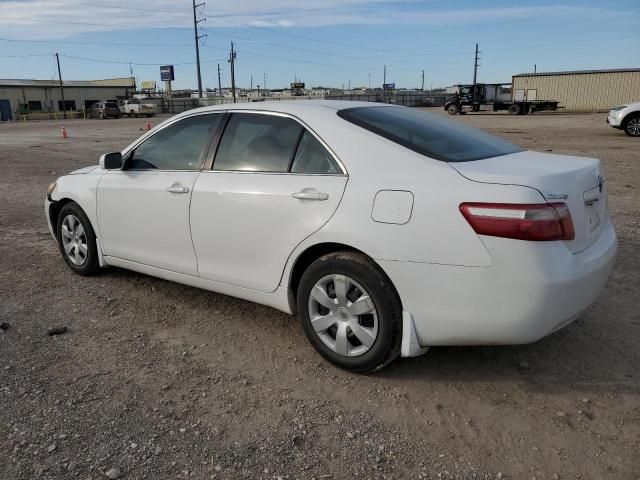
[143, 209]
[272, 185]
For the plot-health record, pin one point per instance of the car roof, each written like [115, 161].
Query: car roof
[293, 107]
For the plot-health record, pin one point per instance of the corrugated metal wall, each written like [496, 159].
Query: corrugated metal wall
[18, 95]
[584, 91]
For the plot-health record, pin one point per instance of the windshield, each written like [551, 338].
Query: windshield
[428, 134]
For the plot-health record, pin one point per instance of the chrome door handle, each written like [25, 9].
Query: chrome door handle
[177, 189]
[310, 195]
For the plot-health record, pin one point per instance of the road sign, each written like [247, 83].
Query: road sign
[148, 84]
[297, 85]
[166, 73]
[389, 86]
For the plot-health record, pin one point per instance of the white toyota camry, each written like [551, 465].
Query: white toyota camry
[387, 229]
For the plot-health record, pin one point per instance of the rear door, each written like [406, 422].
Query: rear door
[273, 183]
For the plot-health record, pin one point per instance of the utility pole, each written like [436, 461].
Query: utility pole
[219, 82]
[349, 85]
[369, 81]
[196, 21]
[535, 68]
[64, 105]
[264, 81]
[232, 61]
[251, 88]
[384, 81]
[423, 80]
[475, 73]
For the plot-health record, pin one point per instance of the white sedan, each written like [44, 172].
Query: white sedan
[388, 230]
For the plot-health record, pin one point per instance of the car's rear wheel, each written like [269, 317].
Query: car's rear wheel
[632, 126]
[77, 240]
[350, 311]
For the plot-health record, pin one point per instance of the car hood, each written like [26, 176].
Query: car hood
[82, 171]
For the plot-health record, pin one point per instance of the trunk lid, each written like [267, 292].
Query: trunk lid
[576, 181]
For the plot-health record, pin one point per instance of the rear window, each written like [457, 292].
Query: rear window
[111, 105]
[428, 134]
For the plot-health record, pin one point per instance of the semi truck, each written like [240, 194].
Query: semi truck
[498, 96]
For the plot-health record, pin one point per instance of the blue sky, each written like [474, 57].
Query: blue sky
[329, 43]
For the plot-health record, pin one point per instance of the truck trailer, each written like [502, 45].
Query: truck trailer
[470, 98]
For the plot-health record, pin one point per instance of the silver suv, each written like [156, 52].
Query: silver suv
[627, 118]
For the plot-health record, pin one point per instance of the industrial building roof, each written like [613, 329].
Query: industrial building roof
[127, 82]
[578, 72]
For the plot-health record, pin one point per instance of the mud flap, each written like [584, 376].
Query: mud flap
[410, 346]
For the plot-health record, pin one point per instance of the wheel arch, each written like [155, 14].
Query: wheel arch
[54, 211]
[628, 117]
[310, 255]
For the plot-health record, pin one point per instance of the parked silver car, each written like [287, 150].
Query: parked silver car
[104, 110]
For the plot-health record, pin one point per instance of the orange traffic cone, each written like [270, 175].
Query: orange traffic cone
[148, 124]
[64, 132]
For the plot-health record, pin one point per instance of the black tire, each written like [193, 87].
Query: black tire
[91, 264]
[514, 109]
[101, 116]
[453, 109]
[386, 346]
[631, 125]
[132, 114]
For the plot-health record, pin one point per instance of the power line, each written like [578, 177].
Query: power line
[97, 60]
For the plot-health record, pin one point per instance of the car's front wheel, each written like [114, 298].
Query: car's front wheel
[632, 126]
[77, 240]
[350, 311]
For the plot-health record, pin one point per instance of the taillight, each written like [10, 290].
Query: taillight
[537, 222]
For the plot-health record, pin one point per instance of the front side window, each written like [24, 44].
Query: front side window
[428, 134]
[312, 157]
[258, 143]
[180, 146]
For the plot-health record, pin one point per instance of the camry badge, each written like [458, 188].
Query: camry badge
[557, 196]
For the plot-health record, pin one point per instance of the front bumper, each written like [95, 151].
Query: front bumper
[47, 209]
[531, 290]
[613, 121]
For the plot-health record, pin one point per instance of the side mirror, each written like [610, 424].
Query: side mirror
[111, 161]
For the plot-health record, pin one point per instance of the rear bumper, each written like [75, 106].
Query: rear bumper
[531, 290]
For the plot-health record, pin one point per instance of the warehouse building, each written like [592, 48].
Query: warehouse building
[582, 90]
[42, 97]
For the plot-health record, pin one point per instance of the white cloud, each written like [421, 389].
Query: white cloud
[82, 16]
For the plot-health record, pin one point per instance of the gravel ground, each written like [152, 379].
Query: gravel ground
[154, 380]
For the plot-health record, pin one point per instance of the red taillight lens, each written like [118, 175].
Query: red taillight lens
[536, 222]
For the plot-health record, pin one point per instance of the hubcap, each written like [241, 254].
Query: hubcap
[74, 240]
[343, 315]
[634, 126]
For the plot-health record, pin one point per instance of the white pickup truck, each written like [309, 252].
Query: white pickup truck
[134, 108]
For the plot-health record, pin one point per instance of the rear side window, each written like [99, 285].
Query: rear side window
[258, 143]
[428, 134]
[312, 157]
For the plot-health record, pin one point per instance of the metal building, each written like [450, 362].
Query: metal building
[43, 97]
[581, 90]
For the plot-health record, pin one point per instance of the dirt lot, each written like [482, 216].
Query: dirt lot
[162, 381]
